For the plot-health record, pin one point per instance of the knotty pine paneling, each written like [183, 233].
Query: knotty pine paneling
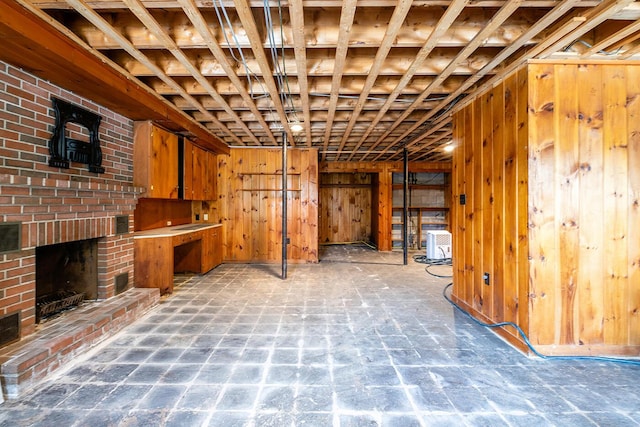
[549, 162]
[382, 190]
[345, 207]
[250, 204]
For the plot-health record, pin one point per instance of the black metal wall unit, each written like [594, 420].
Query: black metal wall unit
[64, 149]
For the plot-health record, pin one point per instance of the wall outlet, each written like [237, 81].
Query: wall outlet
[168, 223]
[197, 217]
[206, 217]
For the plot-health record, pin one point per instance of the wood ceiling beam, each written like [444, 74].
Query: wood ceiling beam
[396, 64]
[346, 21]
[365, 32]
[243, 8]
[614, 38]
[158, 32]
[173, 4]
[398, 17]
[422, 152]
[82, 8]
[500, 16]
[551, 17]
[191, 10]
[594, 17]
[444, 23]
[631, 52]
[35, 42]
[296, 14]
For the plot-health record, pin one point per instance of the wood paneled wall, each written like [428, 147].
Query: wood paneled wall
[250, 204]
[382, 173]
[549, 161]
[345, 207]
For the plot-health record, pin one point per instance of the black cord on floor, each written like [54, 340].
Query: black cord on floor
[526, 339]
[422, 259]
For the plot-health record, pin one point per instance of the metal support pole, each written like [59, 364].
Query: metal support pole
[285, 240]
[405, 206]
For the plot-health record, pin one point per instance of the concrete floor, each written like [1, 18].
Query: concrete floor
[356, 340]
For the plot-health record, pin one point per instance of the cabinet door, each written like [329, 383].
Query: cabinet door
[164, 164]
[154, 264]
[210, 190]
[211, 249]
[217, 246]
[199, 173]
[155, 161]
[187, 174]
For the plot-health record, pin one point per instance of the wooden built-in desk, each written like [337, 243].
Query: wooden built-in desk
[161, 252]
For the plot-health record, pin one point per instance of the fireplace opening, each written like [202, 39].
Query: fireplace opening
[66, 274]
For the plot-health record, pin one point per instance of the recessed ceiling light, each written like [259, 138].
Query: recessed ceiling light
[448, 148]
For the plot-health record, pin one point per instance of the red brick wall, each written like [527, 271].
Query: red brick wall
[57, 205]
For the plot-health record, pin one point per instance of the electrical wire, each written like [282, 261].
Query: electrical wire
[221, 11]
[422, 259]
[528, 343]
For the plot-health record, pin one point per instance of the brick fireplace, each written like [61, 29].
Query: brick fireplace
[41, 205]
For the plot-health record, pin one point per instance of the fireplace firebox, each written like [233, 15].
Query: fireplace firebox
[66, 274]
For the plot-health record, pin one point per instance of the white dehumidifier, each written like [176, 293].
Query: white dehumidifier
[438, 244]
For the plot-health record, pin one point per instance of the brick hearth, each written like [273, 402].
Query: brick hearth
[60, 340]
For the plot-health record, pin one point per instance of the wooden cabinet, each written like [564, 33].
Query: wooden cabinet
[161, 252]
[200, 170]
[212, 248]
[154, 263]
[211, 177]
[199, 174]
[155, 154]
[187, 170]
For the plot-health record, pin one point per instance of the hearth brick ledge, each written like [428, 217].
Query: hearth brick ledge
[27, 362]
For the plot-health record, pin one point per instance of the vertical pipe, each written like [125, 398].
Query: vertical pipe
[405, 206]
[285, 240]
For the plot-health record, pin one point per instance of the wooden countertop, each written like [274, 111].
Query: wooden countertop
[175, 230]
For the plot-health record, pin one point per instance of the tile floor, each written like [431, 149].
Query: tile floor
[356, 340]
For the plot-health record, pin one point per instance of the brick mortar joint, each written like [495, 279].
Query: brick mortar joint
[110, 185]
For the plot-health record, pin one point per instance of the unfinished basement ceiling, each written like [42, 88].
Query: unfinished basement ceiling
[365, 78]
